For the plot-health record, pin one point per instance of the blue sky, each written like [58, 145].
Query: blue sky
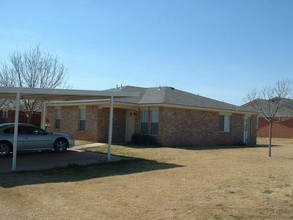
[220, 49]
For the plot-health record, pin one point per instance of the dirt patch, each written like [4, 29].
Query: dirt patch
[159, 183]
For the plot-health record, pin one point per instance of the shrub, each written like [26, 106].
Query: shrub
[142, 139]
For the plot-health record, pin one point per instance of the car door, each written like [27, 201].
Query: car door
[33, 138]
[8, 135]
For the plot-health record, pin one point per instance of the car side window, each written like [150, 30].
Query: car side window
[26, 130]
[9, 130]
[40, 131]
[31, 130]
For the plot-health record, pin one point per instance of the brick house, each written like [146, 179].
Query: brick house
[173, 117]
[283, 124]
[7, 115]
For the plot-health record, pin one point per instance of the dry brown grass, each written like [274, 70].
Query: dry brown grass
[164, 183]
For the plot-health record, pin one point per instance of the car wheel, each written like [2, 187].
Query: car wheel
[60, 145]
[5, 149]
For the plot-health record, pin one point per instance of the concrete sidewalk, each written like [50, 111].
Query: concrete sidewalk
[48, 160]
[81, 147]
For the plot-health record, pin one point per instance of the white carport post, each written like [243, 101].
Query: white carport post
[110, 129]
[15, 132]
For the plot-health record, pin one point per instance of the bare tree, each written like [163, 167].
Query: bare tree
[269, 102]
[33, 69]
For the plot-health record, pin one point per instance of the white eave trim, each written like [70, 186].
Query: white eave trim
[117, 104]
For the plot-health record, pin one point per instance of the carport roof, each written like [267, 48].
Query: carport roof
[60, 94]
[18, 93]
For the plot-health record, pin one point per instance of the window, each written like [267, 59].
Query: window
[57, 118]
[9, 130]
[31, 130]
[27, 130]
[82, 119]
[224, 123]
[144, 121]
[5, 113]
[154, 122]
[149, 122]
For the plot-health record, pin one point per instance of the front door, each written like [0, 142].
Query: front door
[130, 125]
[246, 135]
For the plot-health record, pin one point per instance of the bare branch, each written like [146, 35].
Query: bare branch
[33, 69]
[270, 102]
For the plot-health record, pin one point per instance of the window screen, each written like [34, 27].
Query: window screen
[57, 118]
[224, 123]
[154, 122]
[82, 120]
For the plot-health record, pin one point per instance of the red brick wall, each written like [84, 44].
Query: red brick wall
[97, 123]
[119, 125]
[69, 122]
[179, 127]
[281, 128]
[253, 129]
[51, 116]
[35, 120]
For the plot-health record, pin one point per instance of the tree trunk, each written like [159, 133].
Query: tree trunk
[28, 118]
[270, 138]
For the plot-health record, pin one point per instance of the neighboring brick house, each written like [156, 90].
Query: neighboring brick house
[174, 117]
[7, 115]
[282, 128]
[283, 123]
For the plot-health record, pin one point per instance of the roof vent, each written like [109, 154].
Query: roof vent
[172, 88]
[119, 87]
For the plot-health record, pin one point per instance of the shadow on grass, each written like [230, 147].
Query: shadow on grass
[74, 173]
[222, 147]
[219, 147]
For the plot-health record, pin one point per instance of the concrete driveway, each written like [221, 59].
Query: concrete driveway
[47, 160]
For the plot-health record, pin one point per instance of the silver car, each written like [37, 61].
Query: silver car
[32, 138]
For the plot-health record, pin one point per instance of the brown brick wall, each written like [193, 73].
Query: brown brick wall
[137, 122]
[253, 129]
[186, 127]
[103, 125]
[119, 125]
[69, 122]
[180, 127]
[51, 116]
[177, 127]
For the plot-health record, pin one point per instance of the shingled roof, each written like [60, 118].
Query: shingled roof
[162, 96]
[173, 97]
[286, 109]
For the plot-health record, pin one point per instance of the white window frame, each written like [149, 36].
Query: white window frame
[155, 115]
[226, 124]
[144, 120]
[5, 113]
